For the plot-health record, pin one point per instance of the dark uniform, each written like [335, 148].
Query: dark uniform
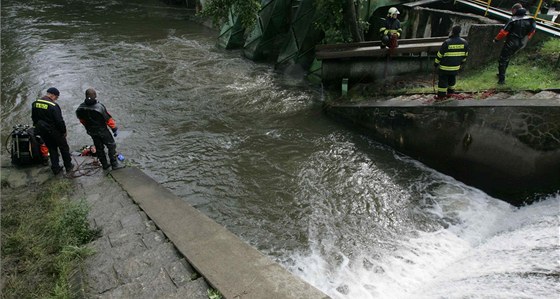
[94, 116]
[389, 27]
[518, 30]
[49, 124]
[451, 55]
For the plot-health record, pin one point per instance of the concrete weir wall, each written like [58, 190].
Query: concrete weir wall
[508, 148]
[231, 266]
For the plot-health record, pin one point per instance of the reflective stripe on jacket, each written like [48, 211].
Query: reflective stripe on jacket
[390, 26]
[47, 116]
[452, 54]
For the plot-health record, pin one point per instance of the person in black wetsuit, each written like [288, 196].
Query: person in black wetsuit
[95, 118]
[517, 32]
[49, 124]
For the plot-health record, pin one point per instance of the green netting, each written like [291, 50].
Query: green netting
[231, 34]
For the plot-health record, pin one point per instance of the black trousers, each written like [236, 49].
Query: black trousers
[56, 141]
[446, 83]
[101, 140]
[511, 46]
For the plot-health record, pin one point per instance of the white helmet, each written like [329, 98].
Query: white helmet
[393, 11]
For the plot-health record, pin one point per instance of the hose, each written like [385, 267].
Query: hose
[84, 169]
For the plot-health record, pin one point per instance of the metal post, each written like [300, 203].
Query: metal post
[538, 9]
[487, 7]
[344, 86]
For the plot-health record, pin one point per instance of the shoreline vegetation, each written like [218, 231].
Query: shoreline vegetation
[44, 237]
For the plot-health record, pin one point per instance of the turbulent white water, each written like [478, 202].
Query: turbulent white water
[488, 250]
[252, 149]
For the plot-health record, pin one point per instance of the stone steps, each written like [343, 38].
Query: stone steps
[133, 258]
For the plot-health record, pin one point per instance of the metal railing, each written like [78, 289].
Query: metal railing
[556, 23]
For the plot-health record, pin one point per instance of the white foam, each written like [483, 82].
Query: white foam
[489, 250]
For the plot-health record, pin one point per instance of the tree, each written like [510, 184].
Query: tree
[246, 10]
[339, 19]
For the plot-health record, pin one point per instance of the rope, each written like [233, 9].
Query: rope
[84, 169]
[460, 96]
[393, 44]
[488, 93]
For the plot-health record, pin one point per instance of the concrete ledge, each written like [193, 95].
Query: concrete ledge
[231, 266]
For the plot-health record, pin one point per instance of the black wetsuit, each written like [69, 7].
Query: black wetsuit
[516, 29]
[94, 116]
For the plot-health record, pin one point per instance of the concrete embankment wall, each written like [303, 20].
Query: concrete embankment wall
[508, 148]
[147, 233]
[230, 265]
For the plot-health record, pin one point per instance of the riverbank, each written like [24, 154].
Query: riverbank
[145, 236]
[129, 258]
[530, 71]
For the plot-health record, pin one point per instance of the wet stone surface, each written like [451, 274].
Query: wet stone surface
[133, 258]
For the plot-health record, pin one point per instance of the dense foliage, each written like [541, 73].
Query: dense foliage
[340, 21]
[219, 10]
[337, 18]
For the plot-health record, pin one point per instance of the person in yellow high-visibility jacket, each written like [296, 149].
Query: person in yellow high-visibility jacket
[451, 56]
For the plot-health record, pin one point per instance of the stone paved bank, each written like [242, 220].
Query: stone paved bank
[135, 259]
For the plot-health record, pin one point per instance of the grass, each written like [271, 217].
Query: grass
[528, 70]
[43, 238]
[214, 294]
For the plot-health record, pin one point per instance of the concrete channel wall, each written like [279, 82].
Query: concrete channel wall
[508, 145]
[230, 265]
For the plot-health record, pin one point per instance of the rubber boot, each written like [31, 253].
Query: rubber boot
[501, 79]
[116, 165]
[103, 161]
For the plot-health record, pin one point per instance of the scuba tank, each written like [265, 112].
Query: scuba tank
[26, 147]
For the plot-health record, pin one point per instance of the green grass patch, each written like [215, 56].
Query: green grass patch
[214, 294]
[532, 69]
[43, 237]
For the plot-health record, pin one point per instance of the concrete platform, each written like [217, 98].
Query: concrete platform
[231, 266]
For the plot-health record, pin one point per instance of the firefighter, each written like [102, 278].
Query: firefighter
[517, 31]
[95, 118]
[49, 124]
[390, 29]
[449, 59]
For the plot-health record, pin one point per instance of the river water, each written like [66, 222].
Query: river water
[251, 148]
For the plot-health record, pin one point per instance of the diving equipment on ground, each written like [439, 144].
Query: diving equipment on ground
[27, 148]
